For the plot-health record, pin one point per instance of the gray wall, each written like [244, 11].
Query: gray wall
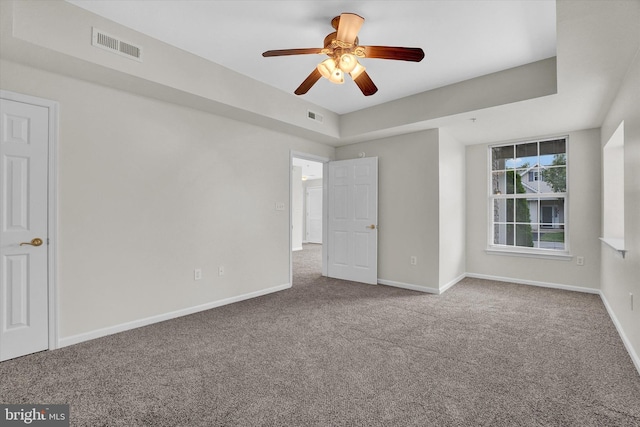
[620, 277]
[452, 205]
[148, 191]
[408, 214]
[584, 220]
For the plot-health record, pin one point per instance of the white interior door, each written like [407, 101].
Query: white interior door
[314, 214]
[352, 220]
[24, 138]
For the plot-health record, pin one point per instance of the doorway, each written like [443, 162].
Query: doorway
[28, 142]
[307, 207]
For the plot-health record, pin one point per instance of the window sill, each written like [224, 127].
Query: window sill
[616, 244]
[559, 256]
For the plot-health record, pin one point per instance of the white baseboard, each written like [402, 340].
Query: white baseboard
[420, 288]
[86, 336]
[534, 283]
[408, 286]
[627, 344]
[299, 248]
[446, 286]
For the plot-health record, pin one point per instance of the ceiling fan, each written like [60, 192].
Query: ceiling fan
[343, 50]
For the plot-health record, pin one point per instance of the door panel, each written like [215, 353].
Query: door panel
[353, 210]
[24, 139]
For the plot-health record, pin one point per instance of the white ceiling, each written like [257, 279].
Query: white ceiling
[461, 39]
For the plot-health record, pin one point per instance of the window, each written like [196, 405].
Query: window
[528, 196]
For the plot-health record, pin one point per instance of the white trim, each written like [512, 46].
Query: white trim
[325, 170]
[508, 251]
[409, 286]
[420, 288]
[52, 205]
[627, 344]
[297, 248]
[534, 283]
[446, 286]
[98, 333]
[615, 244]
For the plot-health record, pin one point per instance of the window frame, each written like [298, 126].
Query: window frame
[513, 250]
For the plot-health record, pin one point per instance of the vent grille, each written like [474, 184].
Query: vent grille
[107, 42]
[314, 116]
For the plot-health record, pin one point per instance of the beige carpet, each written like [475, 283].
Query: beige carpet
[333, 353]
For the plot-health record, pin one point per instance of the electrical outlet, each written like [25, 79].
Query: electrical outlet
[580, 260]
[197, 274]
[221, 271]
[414, 260]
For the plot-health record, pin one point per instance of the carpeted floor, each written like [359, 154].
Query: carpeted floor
[333, 353]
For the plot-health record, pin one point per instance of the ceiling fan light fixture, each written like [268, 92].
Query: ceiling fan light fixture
[337, 76]
[327, 67]
[343, 49]
[347, 62]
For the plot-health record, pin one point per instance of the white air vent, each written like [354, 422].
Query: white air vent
[112, 44]
[314, 116]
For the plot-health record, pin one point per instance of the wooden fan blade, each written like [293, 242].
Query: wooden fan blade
[365, 84]
[349, 26]
[285, 52]
[308, 82]
[414, 54]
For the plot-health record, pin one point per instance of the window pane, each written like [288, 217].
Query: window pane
[524, 208]
[524, 235]
[503, 210]
[503, 234]
[512, 182]
[552, 213]
[502, 182]
[510, 209]
[552, 239]
[502, 158]
[554, 180]
[536, 237]
[553, 153]
[526, 155]
[529, 180]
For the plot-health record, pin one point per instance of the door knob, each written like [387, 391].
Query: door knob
[373, 227]
[35, 242]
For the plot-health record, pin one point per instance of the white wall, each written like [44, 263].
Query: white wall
[452, 264]
[297, 211]
[407, 205]
[148, 191]
[584, 219]
[620, 277]
[308, 184]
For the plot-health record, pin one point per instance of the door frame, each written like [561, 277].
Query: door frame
[52, 205]
[325, 170]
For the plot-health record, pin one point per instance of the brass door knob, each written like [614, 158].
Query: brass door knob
[373, 227]
[35, 242]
